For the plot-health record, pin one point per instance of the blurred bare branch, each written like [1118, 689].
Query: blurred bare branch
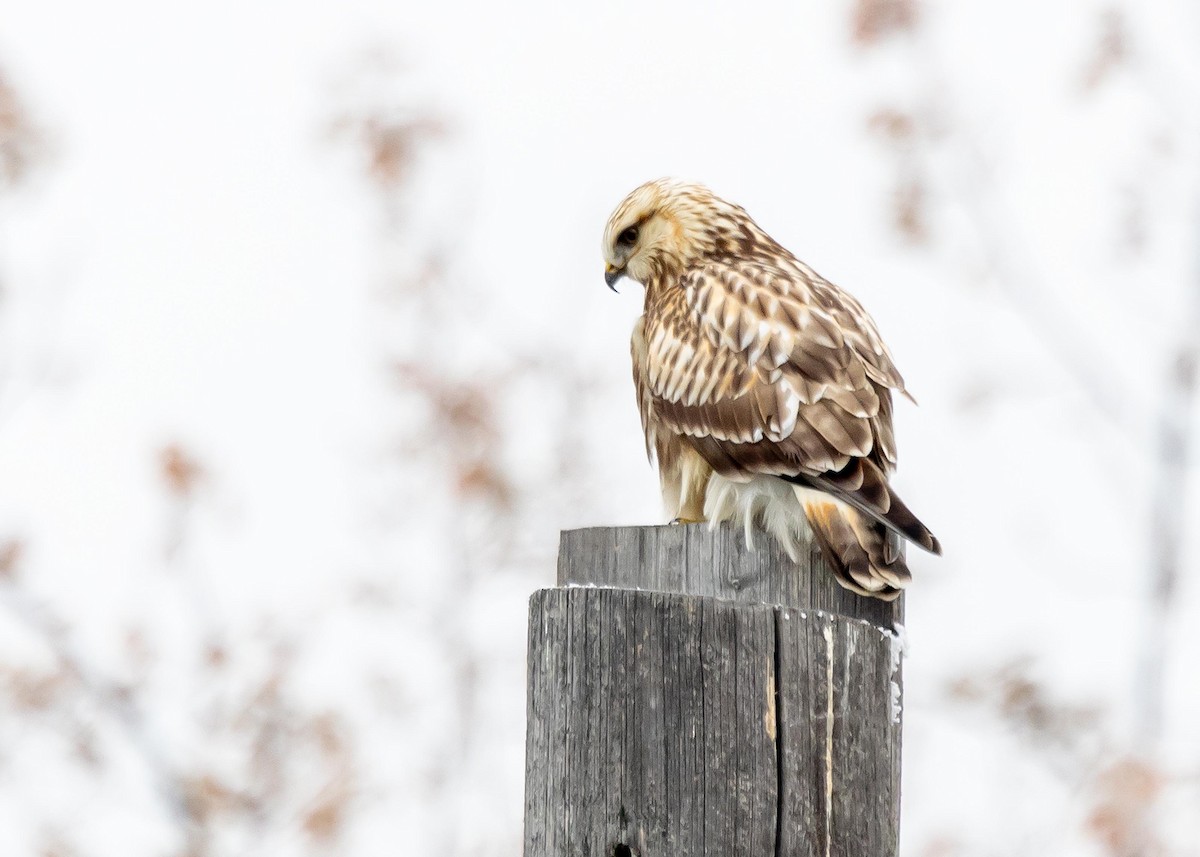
[74, 672]
[1111, 50]
[1111, 392]
[1099, 371]
[1015, 270]
[1122, 793]
[1012, 693]
[899, 131]
[1168, 525]
[255, 743]
[182, 475]
[447, 423]
[463, 418]
[22, 141]
[326, 814]
[387, 125]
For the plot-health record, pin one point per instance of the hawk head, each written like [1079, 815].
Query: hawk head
[665, 226]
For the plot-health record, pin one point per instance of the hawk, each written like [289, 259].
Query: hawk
[765, 391]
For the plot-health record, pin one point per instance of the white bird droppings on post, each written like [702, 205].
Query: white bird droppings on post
[899, 643]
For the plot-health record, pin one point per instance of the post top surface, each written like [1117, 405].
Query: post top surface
[715, 562]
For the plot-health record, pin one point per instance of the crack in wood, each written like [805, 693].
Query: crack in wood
[677, 724]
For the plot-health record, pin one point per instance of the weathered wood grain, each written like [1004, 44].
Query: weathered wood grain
[839, 734]
[657, 731]
[670, 723]
[697, 560]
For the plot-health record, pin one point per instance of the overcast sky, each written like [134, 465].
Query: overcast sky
[199, 262]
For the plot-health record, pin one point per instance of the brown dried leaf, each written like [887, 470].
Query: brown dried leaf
[328, 734]
[389, 145]
[216, 656]
[206, 797]
[874, 20]
[908, 210]
[84, 745]
[11, 551]
[22, 144]
[384, 119]
[894, 125]
[327, 814]
[31, 691]
[965, 689]
[325, 818]
[482, 479]
[1121, 819]
[180, 471]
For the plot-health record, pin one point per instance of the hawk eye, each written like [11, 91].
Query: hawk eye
[629, 236]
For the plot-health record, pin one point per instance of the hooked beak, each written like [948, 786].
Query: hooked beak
[612, 274]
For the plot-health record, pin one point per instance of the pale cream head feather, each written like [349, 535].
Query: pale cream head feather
[668, 225]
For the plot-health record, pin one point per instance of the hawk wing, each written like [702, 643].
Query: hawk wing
[770, 369]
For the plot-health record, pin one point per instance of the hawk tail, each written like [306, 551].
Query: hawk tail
[901, 519]
[862, 553]
[864, 486]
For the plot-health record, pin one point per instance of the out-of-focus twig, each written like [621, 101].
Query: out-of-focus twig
[22, 142]
[1015, 271]
[1159, 428]
[1019, 278]
[1175, 437]
[109, 697]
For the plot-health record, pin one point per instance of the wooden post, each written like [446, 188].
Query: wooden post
[690, 696]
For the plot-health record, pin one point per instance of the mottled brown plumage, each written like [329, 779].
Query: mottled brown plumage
[764, 390]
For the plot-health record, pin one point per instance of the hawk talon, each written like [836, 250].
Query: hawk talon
[678, 521]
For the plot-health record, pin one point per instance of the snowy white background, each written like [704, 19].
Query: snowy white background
[306, 358]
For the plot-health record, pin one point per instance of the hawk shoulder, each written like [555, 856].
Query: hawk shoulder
[779, 369]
